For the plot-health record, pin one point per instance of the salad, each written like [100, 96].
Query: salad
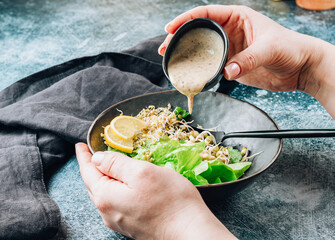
[163, 137]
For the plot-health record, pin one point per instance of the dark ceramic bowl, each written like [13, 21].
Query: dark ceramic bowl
[211, 109]
[192, 24]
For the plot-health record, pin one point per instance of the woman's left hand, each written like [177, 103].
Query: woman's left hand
[144, 201]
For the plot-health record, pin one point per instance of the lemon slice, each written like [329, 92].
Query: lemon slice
[117, 143]
[125, 127]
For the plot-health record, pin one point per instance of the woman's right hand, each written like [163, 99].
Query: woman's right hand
[262, 53]
[266, 55]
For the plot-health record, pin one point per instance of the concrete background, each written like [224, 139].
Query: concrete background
[294, 199]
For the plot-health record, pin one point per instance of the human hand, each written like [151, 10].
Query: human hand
[266, 55]
[261, 52]
[144, 201]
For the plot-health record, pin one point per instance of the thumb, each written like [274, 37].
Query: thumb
[245, 61]
[117, 165]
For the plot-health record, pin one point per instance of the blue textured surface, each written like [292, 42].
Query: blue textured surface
[294, 199]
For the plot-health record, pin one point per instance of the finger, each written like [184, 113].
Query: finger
[163, 46]
[88, 171]
[118, 166]
[245, 61]
[218, 13]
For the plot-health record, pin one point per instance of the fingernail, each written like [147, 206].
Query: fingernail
[97, 158]
[162, 51]
[77, 147]
[166, 27]
[232, 71]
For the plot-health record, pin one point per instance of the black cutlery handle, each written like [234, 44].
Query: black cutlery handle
[294, 133]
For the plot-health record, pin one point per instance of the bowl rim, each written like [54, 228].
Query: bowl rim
[168, 91]
[181, 31]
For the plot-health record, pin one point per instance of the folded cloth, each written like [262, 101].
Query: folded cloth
[43, 115]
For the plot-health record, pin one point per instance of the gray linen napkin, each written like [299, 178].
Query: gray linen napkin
[43, 115]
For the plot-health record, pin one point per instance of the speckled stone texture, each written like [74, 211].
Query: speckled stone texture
[294, 199]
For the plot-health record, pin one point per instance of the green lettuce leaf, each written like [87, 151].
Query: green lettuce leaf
[186, 160]
[239, 168]
[195, 179]
[171, 165]
[163, 151]
[211, 170]
[235, 155]
[167, 150]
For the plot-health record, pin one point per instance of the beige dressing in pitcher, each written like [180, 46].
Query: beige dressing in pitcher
[194, 61]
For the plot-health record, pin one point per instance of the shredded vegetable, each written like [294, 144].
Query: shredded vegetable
[170, 141]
